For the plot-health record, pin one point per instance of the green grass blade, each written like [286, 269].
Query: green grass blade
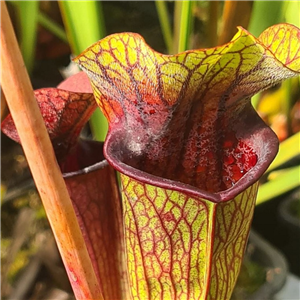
[284, 181]
[162, 10]
[264, 15]
[98, 121]
[185, 21]
[50, 25]
[288, 149]
[27, 29]
[84, 24]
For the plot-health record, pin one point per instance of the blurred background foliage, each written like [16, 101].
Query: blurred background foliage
[51, 32]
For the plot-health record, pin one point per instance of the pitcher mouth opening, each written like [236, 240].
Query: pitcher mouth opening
[87, 156]
[243, 160]
[214, 171]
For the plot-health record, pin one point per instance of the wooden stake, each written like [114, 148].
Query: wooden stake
[235, 13]
[45, 170]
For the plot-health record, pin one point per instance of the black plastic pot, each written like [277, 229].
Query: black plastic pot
[271, 221]
[260, 252]
[287, 214]
[275, 264]
[291, 223]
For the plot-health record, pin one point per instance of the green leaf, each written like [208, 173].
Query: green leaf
[84, 24]
[264, 15]
[28, 29]
[288, 150]
[53, 27]
[162, 10]
[284, 181]
[182, 28]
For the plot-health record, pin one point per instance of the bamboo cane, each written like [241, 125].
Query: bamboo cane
[41, 159]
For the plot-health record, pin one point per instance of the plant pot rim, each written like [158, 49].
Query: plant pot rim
[284, 210]
[275, 264]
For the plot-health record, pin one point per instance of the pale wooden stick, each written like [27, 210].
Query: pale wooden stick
[4, 109]
[41, 159]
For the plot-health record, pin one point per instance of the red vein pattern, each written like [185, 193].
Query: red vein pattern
[182, 116]
[232, 224]
[65, 110]
[64, 113]
[96, 200]
[191, 149]
[183, 247]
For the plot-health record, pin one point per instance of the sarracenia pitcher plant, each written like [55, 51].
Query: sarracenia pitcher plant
[190, 149]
